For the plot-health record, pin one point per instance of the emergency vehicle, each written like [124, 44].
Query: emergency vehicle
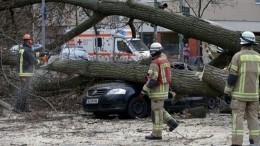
[111, 45]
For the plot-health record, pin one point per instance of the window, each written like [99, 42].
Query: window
[257, 1]
[122, 46]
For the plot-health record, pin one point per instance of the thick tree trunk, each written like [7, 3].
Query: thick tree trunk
[215, 77]
[8, 58]
[183, 82]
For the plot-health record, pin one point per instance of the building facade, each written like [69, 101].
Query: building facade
[239, 15]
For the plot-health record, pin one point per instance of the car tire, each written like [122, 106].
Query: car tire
[137, 108]
[211, 102]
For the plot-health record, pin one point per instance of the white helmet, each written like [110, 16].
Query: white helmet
[155, 49]
[247, 38]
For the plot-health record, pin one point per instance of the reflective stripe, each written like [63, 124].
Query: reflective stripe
[155, 74]
[234, 121]
[228, 89]
[37, 54]
[150, 71]
[242, 78]
[245, 95]
[233, 67]
[254, 132]
[25, 74]
[249, 58]
[21, 51]
[237, 132]
[257, 80]
[146, 89]
[162, 68]
[162, 94]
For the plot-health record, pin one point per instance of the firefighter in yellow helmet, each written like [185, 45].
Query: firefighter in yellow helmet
[243, 88]
[157, 88]
[26, 64]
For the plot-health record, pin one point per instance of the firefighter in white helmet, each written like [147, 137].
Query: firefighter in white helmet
[243, 88]
[157, 88]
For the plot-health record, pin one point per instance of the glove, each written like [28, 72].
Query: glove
[227, 98]
[142, 94]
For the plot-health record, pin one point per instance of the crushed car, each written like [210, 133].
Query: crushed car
[122, 98]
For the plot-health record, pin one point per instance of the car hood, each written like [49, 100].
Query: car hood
[111, 85]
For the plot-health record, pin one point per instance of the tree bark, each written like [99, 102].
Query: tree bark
[215, 77]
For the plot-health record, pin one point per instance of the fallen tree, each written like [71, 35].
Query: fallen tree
[183, 81]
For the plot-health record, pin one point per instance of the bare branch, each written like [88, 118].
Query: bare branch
[94, 19]
[131, 25]
[210, 1]
[193, 10]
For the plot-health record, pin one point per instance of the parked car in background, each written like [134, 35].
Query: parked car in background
[74, 53]
[69, 52]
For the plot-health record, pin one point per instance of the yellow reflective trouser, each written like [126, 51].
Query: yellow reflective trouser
[239, 109]
[159, 116]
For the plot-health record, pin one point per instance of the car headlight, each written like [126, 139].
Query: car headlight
[116, 91]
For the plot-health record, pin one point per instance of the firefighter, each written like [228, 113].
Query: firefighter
[243, 87]
[26, 64]
[157, 88]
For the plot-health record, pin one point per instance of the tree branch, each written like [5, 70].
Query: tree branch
[132, 27]
[205, 7]
[94, 19]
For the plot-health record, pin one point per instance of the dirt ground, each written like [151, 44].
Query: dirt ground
[80, 128]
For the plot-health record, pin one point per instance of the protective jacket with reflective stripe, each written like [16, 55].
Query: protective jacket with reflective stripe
[26, 61]
[160, 71]
[245, 65]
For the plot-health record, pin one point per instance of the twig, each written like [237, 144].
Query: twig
[44, 100]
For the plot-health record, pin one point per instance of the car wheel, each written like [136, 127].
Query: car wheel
[137, 108]
[211, 102]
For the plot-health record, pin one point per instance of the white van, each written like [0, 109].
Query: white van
[111, 45]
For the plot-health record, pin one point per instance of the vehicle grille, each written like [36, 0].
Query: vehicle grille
[96, 92]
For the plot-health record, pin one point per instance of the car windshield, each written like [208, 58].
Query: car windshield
[138, 45]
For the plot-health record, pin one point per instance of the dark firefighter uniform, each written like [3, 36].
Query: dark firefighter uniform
[26, 65]
[243, 86]
[157, 87]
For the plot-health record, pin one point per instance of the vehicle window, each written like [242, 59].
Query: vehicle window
[122, 46]
[139, 45]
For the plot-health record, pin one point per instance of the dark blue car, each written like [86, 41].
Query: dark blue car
[122, 98]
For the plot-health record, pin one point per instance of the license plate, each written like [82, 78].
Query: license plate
[92, 101]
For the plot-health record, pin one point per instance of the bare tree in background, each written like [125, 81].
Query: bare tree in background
[198, 7]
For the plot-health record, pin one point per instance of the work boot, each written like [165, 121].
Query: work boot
[151, 137]
[172, 124]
